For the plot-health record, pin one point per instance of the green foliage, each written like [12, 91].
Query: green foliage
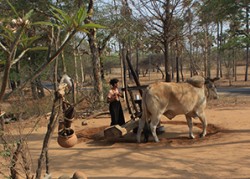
[6, 153]
[14, 75]
[38, 49]
[26, 41]
[13, 8]
[28, 15]
[236, 42]
[17, 31]
[111, 61]
[7, 34]
[80, 16]
[62, 17]
[217, 10]
[76, 22]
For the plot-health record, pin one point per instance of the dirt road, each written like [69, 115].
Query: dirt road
[223, 153]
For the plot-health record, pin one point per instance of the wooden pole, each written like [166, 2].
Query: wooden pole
[117, 131]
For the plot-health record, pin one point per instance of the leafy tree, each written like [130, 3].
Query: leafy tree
[11, 41]
[15, 42]
[237, 14]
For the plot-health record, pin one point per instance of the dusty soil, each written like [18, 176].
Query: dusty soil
[223, 153]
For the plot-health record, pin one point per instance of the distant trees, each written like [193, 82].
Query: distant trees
[205, 30]
[159, 17]
[200, 31]
[236, 36]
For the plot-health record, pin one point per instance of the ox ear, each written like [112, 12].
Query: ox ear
[207, 80]
[215, 79]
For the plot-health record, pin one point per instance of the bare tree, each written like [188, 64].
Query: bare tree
[159, 16]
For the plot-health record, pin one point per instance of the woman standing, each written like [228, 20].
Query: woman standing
[115, 107]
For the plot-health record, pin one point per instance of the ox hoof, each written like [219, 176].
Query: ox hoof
[157, 141]
[145, 140]
[202, 135]
[191, 136]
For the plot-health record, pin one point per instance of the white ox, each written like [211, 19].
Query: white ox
[171, 99]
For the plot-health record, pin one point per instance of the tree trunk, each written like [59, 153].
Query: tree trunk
[166, 41]
[234, 66]
[82, 71]
[18, 80]
[123, 57]
[133, 71]
[171, 56]
[167, 66]
[220, 61]
[50, 129]
[14, 160]
[191, 58]
[218, 51]
[247, 51]
[181, 69]
[5, 77]
[98, 87]
[40, 89]
[177, 59]
[137, 62]
[96, 66]
[63, 63]
[102, 68]
[76, 70]
[177, 69]
[207, 51]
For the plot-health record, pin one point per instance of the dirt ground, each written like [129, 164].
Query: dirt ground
[223, 153]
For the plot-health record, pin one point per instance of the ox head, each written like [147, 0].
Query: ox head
[66, 80]
[211, 91]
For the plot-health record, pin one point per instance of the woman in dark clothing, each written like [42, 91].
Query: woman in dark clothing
[115, 107]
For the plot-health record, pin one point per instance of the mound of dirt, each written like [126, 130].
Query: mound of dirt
[96, 135]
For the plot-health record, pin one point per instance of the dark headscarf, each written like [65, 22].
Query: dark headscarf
[113, 81]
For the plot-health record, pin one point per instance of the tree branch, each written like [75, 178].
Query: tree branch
[42, 68]
[19, 57]
[4, 48]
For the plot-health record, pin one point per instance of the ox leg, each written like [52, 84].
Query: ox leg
[204, 124]
[190, 126]
[153, 126]
[146, 131]
[139, 130]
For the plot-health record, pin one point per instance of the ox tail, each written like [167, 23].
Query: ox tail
[145, 112]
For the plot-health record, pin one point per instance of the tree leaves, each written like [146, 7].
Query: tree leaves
[75, 22]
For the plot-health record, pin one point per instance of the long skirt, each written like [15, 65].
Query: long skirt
[116, 113]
